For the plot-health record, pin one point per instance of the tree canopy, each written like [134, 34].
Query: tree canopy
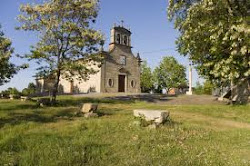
[68, 42]
[170, 74]
[147, 82]
[7, 69]
[30, 90]
[215, 34]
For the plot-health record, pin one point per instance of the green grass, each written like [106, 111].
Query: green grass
[196, 135]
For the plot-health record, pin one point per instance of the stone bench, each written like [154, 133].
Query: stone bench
[155, 116]
[24, 98]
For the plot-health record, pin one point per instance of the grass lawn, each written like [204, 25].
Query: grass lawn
[212, 134]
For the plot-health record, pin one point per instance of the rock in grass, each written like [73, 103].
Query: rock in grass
[43, 102]
[24, 98]
[89, 110]
[89, 107]
[155, 116]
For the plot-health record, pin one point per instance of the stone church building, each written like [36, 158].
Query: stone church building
[119, 72]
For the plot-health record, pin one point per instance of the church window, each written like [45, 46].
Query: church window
[125, 40]
[110, 82]
[118, 38]
[132, 83]
[122, 60]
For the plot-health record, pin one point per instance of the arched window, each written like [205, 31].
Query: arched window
[132, 83]
[118, 38]
[125, 40]
[110, 82]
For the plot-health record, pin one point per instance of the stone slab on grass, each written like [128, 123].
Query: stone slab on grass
[24, 98]
[89, 107]
[156, 116]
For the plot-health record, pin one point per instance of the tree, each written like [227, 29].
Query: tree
[7, 69]
[31, 89]
[11, 91]
[68, 43]
[198, 88]
[206, 88]
[215, 35]
[170, 74]
[147, 82]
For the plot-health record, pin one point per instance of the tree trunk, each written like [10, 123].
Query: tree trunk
[55, 88]
[240, 91]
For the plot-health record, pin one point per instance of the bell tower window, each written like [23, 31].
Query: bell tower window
[125, 40]
[118, 38]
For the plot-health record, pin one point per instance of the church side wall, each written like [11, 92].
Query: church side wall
[64, 86]
[93, 84]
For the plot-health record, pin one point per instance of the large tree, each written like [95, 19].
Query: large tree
[147, 82]
[68, 43]
[30, 90]
[7, 69]
[215, 34]
[169, 74]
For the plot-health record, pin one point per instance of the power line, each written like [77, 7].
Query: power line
[161, 50]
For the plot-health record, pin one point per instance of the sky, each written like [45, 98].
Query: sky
[153, 36]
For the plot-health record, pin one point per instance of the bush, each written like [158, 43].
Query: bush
[11, 91]
[206, 88]
[198, 90]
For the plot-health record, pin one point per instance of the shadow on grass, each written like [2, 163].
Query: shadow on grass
[30, 113]
[108, 112]
[17, 118]
[39, 116]
[80, 101]
[19, 107]
[150, 98]
[129, 99]
[171, 123]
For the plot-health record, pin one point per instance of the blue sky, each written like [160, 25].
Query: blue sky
[153, 35]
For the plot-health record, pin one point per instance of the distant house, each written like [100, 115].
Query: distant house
[177, 91]
[119, 72]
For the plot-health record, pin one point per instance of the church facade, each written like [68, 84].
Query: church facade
[119, 72]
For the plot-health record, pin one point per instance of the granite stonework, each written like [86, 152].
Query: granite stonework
[119, 72]
[155, 116]
[89, 107]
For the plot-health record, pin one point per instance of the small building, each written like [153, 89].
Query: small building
[119, 72]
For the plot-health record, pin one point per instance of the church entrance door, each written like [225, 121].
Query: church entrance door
[121, 83]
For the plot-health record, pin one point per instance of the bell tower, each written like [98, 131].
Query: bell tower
[120, 36]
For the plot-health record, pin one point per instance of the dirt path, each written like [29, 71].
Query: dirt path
[192, 100]
[157, 98]
[210, 122]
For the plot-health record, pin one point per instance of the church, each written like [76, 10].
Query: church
[119, 72]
